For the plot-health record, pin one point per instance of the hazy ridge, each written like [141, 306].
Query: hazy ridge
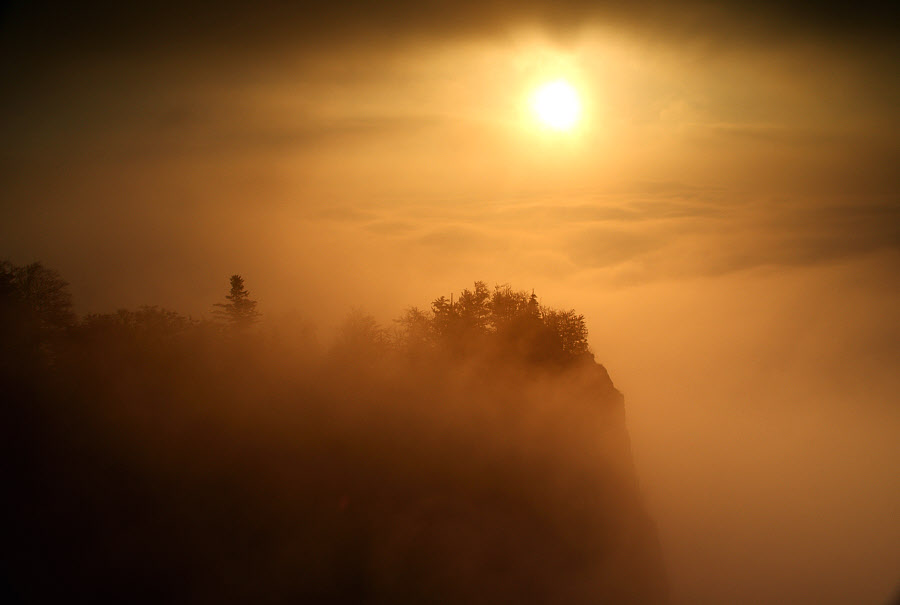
[473, 453]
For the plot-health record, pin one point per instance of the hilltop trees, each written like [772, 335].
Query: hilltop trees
[40, 294]
[360, 336]
[35, 307]
[414, 329]
[506, 321]
[240, 311]
[35, 311]
[146, 324]
[569, 327]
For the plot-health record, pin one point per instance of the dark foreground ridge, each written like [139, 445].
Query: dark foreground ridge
[474, 453]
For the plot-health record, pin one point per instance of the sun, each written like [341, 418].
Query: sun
[557, 105]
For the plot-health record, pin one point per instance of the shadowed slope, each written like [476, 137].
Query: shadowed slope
[189, 464]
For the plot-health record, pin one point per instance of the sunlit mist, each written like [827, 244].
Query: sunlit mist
[557, 105]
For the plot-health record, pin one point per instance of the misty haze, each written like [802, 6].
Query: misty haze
[544, 303]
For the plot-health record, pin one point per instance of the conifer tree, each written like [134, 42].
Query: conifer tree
[240, 311]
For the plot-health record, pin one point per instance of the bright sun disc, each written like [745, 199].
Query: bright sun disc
[556, 105]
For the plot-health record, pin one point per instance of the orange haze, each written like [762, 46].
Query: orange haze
[725, 215]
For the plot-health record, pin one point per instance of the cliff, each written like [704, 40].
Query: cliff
[467, 484]
[159, 460]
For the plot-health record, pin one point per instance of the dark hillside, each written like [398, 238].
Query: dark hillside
[465, 456]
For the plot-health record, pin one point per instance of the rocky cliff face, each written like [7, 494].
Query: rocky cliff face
[180, 475]
[511, 485]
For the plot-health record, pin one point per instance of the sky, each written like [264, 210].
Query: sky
[726, 214]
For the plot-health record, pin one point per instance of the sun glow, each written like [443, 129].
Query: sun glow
[557, 105]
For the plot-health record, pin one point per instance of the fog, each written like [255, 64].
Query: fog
[766, 442]
[725, 217]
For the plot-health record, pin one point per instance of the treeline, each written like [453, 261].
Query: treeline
[503, 321]
[37, 308]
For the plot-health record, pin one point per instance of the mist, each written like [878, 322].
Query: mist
[724, 216]
[770, 460]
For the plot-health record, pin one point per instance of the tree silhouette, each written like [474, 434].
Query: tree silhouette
[361, 334]
[240, 311]
[473, 308]
[570, 328]
[414, 329]
[443, 322]
[506, 305]
[148, 321]
[40, 293]
[506, 320]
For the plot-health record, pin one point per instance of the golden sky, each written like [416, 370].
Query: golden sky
[725, 213]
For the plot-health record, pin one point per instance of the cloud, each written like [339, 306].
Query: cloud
[758, 235]
[461, 239]
[389, 227]
[603, 246]
[170, 26]
[680, 233]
